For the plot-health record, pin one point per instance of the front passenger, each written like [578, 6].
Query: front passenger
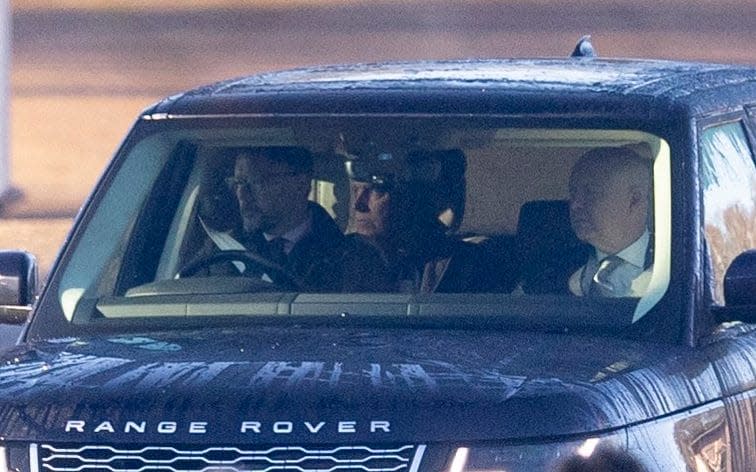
[398, 212]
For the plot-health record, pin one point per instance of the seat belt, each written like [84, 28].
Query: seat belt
[225, 242]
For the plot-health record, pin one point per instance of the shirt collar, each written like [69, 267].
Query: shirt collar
[294, 235]
[634, 253]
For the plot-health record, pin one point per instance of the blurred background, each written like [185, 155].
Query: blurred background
[82, 70]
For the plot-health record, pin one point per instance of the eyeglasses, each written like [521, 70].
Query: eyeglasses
[263, 181]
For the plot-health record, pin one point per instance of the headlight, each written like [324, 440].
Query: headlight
[571, 455]
[14, 457]
[3, 459]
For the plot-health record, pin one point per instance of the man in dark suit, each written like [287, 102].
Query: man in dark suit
[280, 224]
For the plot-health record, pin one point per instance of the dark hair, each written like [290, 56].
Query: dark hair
[437, 182]
[298, 159]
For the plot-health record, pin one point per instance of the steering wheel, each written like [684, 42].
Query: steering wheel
[279, 276]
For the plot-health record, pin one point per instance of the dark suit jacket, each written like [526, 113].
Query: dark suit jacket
[444, 264]
[324, 260]
[462, 267]
[328, 261]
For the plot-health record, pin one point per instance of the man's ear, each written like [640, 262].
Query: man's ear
[638, 199]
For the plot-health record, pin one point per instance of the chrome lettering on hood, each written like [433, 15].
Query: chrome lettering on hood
[245, 427]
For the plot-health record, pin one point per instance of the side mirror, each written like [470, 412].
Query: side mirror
[740, 287]
[18, 285]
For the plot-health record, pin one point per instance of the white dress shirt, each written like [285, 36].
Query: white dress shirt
[628, 279]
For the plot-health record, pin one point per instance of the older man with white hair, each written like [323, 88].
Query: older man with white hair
[610, 190]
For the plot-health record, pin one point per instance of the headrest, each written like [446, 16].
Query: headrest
[546, 218]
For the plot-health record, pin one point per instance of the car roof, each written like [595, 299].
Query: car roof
[700, 87]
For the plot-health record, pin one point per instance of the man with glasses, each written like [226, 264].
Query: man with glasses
[280, 224]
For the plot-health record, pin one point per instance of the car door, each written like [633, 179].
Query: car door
[728, 200]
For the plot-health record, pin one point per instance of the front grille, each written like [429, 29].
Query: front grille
[57, 458]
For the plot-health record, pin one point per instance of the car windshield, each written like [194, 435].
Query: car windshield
[399, 217]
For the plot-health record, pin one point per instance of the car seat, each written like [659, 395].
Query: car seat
[548, 249]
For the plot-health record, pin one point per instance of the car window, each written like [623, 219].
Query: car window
[430, 217]
[729, 196]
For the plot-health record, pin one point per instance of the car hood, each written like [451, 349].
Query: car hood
[305, 385]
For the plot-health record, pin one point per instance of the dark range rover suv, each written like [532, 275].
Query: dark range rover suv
[141, 354]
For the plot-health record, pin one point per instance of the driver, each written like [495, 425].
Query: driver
[279, 223]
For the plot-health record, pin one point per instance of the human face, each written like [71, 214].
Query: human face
[603, 208]
[369, 211]
[272, 197]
